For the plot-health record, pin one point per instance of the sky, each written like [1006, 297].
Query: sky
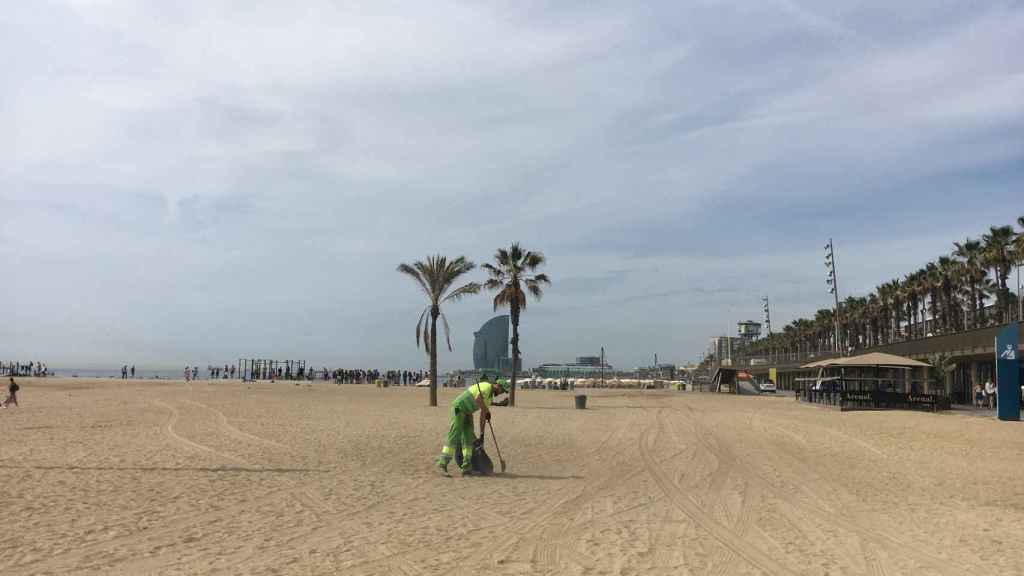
[197, 181]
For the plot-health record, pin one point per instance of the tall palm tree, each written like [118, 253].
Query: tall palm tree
[1018, 250]
[911, 298]
[825, 328]
[947, 273]
[970, 254]
[998, 255]
[510, 273]
[873, 313]
[436, 277]
[895, 289]
[930, 281]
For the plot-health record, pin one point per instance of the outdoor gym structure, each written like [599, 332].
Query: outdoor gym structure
[251, 369]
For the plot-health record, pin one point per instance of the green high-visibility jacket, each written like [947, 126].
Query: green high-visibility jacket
[466, 402]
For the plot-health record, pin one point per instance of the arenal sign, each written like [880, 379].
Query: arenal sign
[1008, 372]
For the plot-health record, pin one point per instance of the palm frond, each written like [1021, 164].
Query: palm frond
[502, 257]
[419, 325]
[494, 272]
[461, 292]
[515, 252]
[521, 297]
[415, 274]
[426, 337]
[447, 332]
[532, 260]
[535, 289]
[503, 297]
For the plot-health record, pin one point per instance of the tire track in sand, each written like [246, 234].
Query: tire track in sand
[722, 560]
[171, 433]
[299, 493]
[531, 526]
[547, 551]
[233, 431]
[813, 505]
[725, 536]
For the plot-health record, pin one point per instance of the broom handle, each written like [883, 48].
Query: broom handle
[495, 440]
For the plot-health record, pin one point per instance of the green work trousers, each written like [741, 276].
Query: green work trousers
[460, 431]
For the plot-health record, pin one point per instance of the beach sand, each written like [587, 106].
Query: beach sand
[113, 477]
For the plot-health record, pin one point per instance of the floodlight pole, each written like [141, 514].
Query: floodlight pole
[833, 281]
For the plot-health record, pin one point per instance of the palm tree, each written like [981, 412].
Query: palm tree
[509, 274]
[946, 282]
[970, 255]
[910, 297]
[873, 312]
[1018, 250]
[895, 290]
[998, 255]
[436, 277]
[932, 282]
[825, 328]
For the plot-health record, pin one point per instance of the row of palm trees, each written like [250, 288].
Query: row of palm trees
[511, 276]
[948, 295]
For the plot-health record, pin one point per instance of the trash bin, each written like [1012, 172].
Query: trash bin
[581, 401]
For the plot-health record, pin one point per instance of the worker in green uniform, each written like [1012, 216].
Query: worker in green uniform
[460, 421]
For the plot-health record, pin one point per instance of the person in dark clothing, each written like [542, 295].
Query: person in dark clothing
[12, 394]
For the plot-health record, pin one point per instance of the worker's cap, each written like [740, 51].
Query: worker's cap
[503, 383]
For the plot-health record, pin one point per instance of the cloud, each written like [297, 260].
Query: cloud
[197, 181]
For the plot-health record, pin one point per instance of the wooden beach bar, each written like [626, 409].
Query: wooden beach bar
[875, 381]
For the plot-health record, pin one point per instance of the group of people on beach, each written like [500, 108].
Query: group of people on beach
[34, 369]
[389, 377]
[125, 371]
[219, 373]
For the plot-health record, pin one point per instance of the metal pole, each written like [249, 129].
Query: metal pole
[1020, 302]
[835, 293]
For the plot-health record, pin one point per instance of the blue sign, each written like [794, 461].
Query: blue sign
[1008, 372]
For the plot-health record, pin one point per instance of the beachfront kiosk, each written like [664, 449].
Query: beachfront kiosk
[871, 382]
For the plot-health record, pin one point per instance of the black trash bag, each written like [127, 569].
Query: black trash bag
[480, 462]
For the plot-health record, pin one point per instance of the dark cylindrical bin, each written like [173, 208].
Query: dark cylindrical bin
[581, 401]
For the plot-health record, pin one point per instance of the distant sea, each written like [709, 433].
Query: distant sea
[140, 373]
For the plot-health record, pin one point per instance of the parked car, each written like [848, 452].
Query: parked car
[766, 386]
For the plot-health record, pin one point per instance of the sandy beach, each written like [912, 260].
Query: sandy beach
[115, 477]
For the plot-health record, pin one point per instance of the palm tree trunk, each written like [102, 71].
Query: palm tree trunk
[434, 313]
[515, 352]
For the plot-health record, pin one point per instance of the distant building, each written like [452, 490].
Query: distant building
[725, 348]
[584, 367]
[491, 346]
[749, 330]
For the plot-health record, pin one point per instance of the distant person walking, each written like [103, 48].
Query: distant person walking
[979, 396]
[188, 373]
[133, 371]
[12, 393]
